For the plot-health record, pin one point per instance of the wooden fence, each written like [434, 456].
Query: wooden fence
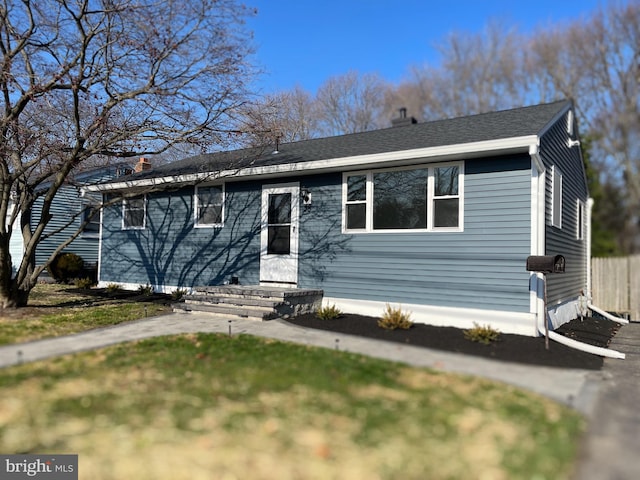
[615, 285]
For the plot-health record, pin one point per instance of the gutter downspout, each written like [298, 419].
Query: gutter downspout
[538, 207]
[622, 321]
[539, 247]
[585, 347]
[590, 203]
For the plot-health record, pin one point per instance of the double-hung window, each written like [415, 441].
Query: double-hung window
[134, 213]
[209, 205]
[356, 202]
[446, 197]
[424, 198]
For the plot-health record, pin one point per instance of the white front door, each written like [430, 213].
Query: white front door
[279, 234]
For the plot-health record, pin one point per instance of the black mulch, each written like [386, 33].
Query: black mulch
[511, 348]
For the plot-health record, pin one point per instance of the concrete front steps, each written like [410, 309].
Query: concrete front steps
[251, 301]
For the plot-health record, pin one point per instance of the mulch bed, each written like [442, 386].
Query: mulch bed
[510, 348]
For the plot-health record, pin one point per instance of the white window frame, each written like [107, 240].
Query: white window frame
[430, 199]
[144, 217]
[580, 220]
[368, 201]
[556, 197]
[196, 204]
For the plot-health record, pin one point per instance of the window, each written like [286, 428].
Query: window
[209, 205]
[134, 213]
[92, 228]
[425, 198]
[400, 199]
[356, 202]
[279, 224]
[580, 220]
[446, 208]
[556, 194]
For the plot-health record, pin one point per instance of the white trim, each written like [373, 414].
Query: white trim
[556, 190]
[580, 219]
[570, 122]
[538, 232]
[429, 154]
[98, 273]
[135, 286]
[280, 268]
[520, 323]
[431, 198]
[196, 203]
[590, 203]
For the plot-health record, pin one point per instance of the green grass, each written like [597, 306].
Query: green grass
[56, 310]
[213, 406]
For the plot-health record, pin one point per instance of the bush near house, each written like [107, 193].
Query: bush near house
[393, 318]
[482, 334]
[329, 312]
[65, 267]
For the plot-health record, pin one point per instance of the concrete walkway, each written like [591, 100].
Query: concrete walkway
[610, 398]
[576, 388]
[610, 449]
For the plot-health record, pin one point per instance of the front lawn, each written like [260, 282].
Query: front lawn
[204, 406]
[56, 310]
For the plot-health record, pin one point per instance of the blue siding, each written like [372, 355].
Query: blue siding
[65, 205]
[482, 267]
[171, 251]
[554, 150]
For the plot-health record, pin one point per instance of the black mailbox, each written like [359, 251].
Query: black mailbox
[545, 263]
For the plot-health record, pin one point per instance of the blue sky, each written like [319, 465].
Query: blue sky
[304, 42]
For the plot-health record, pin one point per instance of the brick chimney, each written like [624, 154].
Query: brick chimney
[402, 120]
[142, 165]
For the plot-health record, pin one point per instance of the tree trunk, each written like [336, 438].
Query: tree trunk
[14, 293]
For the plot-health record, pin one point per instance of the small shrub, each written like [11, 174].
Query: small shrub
[84, 283]
[65, 266]
[482, 333]
[113, 288]
[393, 318]
[330, 312]
[145, 289]
[178, 293]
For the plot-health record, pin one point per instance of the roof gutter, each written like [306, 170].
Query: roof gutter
[508, 145]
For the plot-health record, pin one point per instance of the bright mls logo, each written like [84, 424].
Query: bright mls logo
[50, 467]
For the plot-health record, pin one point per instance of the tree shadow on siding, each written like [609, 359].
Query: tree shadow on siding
[172, 251]
[322, 241]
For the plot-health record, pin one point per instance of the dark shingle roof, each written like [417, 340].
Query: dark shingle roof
[504, 124]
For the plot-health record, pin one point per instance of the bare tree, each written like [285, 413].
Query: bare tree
[479, 73]
[82, 79]
[281, 117]
[596, 61]
[351, 103]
